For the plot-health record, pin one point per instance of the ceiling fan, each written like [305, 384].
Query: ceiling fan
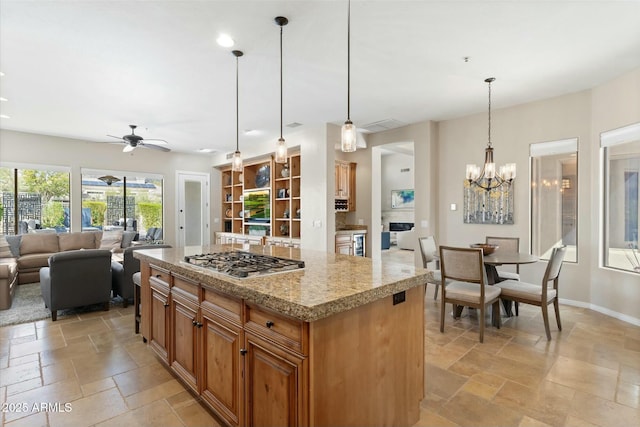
[133, 141]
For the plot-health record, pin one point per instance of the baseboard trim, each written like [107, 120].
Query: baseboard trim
[625, 318]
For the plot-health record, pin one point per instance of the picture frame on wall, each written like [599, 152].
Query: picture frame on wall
[402, 199]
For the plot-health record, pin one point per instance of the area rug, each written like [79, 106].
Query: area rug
[28, 306]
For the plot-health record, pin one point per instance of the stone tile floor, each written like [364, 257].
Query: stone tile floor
[588, 375]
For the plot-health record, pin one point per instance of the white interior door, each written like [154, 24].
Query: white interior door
[193, 209]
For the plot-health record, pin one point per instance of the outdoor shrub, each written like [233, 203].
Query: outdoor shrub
[52, 215]
[151, 214]
[97, 210]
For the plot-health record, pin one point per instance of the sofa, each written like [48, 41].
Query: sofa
[32, 251]
[8, 281]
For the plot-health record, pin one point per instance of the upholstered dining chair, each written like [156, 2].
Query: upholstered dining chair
[506, 245]
[463, 271]
[429, 252]
[540, 295]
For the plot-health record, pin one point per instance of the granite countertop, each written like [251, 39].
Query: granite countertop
[329, 283]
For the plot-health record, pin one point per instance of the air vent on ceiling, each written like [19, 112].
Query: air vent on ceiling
[405, 170]
[382, 125]
[229, 156]
[294, 125]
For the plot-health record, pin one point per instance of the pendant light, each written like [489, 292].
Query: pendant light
[281, 147]
[348, 129]
[487, 178]
[236, 162]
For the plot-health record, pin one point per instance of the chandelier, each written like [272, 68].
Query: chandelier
[487, 178]
[236, 161]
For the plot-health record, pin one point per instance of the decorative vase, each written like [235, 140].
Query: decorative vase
[298, 213]
[285, 171]
[285, 214]
[284, 229]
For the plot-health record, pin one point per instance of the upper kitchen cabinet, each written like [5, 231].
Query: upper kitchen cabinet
[345, 179]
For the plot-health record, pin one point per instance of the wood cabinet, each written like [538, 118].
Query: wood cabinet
[285, 198]
[344, 244]
[274, 384]
[253, 366]
[345, 186]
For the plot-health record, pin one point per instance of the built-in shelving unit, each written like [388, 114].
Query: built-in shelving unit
[263, 184]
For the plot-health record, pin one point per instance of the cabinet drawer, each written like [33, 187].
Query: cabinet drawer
[290, 333]
[223, 305]
[189, 288]
[161, 274]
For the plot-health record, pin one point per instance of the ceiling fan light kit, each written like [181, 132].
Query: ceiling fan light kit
[281, 146]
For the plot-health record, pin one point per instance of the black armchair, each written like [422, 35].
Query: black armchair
[76, 278]
[122, 283]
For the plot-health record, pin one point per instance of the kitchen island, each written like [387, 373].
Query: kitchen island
[339, 342]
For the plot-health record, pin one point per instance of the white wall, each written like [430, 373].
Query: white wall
[33, 149]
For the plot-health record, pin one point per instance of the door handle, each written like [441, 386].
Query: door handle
[243, 351]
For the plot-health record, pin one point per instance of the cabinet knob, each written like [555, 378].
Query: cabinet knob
[166, 304]
[243, 351]
[269, 324]
[158, 276]
[194, 323]
[199, 325]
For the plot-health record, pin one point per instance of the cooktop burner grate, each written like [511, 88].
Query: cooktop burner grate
[243, 264]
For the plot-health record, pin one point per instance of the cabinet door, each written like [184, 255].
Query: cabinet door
[222, 367]
[337, 179]
[159, 330]
[344, 245]
[274, 380]
[344, 180]
[184, 317]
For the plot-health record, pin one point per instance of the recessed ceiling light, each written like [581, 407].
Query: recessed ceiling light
[1, 74]
[4, 116]
[252, 132]
[3, 99]
[225, 40]
[206, 150]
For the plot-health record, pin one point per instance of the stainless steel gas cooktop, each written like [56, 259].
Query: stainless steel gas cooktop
[243, 264]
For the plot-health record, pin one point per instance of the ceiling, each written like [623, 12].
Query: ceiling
[85, 69]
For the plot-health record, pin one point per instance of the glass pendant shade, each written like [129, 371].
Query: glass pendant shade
[281, 151]
[236, 162]
[348, 137]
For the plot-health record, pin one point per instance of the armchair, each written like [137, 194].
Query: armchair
[122, 282]
[76, 278]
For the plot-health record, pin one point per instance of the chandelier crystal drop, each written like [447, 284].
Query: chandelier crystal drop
[236, 162]
[487, 178]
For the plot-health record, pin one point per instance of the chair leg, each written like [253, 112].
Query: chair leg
[54, 315]
[545, 317]
[496, 320]
[516, 303]
[481, 322]
[435, 296]
[442, 309]
[557, 310]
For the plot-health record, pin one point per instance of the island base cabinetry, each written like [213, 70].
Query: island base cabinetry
[255, 367]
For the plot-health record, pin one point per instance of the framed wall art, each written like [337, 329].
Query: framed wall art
[402, 199]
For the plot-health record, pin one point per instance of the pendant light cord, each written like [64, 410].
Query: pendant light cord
[490, 113]
[237, 110]
[349, 62]
[281, 82]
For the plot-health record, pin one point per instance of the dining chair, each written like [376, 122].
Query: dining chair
[463, 271]
[540, 295]
[506, 245]
[429, 252]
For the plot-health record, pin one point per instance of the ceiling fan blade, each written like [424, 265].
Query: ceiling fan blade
[128, 148]
[116, 137]
[154, 147]
[158, 141]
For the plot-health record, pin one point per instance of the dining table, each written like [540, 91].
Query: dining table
[493, 260]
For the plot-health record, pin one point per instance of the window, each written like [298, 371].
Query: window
[554, 197]
[33, 200]
[621, 170]
[114, 201]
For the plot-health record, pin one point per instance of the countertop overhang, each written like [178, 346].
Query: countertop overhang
[329, 283]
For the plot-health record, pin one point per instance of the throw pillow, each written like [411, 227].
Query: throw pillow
[127, 238]
[14, 244]
[112, 240]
